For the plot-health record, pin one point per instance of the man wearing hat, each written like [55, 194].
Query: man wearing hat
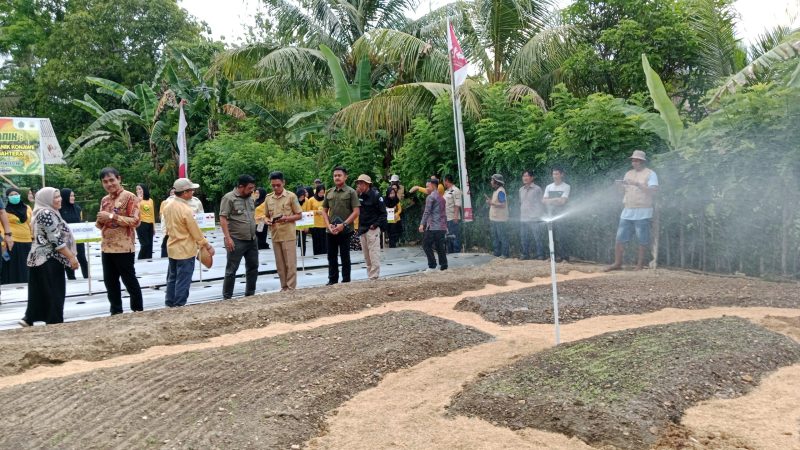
[371, 220]
[640, 186]
[498, 216]
[237, 218]
[185, 238]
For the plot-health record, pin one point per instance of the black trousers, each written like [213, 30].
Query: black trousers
[435, 239]
[318, 241]
[339, 243]
[145, 234]
[46, 291]
[116, 266]
[249, 251]
[82, 261]
[164, 247]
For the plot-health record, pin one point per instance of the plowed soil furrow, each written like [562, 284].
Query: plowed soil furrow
[268, 393]
[630, 293]
[102, 338]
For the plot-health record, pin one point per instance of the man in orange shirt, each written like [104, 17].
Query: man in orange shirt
[117, 221]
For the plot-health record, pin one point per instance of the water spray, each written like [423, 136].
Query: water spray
[553, 276]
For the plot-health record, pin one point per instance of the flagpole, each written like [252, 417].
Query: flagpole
[455, 110]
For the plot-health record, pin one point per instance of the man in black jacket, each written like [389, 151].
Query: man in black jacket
[371, 219]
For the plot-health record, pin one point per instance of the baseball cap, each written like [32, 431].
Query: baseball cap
[184, 184]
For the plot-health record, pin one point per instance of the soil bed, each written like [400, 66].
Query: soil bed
[630, 293]
[101, 338]
[626, 388]
[269, 393]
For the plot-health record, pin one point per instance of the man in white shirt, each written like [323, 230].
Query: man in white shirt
[453, 203]
[640, 186]
[556, 196]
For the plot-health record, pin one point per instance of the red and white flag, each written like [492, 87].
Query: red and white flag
[458, 62]
[458, 69]
[183, 159]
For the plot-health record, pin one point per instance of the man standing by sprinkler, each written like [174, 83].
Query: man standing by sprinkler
[556, 196]
[531, 210]
[640, 185]
[498, 217]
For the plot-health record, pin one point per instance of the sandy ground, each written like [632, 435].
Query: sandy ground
[408, 408]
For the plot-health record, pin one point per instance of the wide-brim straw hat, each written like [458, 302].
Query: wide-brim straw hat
[364, 178]
[639, 154]
[205, 257]
[498, 178]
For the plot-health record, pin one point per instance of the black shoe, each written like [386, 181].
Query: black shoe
[443, 268]
[345, 281]
[330, 283]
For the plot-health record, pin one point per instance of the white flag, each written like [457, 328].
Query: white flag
[183, 159]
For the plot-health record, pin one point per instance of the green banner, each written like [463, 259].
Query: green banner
[19, 146]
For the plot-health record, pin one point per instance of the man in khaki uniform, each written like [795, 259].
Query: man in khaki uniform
[640, 185]
[282, 211]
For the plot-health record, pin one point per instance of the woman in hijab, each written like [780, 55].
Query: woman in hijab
[15, 269]
[318, 239]
[261, 214]
[147, 226]
[71, 213]
[53, 248]
[395, 228]
[302, 195]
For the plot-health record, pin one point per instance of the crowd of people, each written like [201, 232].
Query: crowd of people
[39, 248]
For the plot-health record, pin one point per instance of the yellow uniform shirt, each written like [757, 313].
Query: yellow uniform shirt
[185, 237]
[147, 211]
[21, 231]
[315, 205]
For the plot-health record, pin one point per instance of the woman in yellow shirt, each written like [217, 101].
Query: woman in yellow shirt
[15, 270]
[318, 239]
[147, 225]
[260, 196]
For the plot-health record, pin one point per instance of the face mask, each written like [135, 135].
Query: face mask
[13, 199]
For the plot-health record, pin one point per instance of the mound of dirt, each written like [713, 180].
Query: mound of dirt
[626, 388]
[101, 338]
[630, 293]
[270, 393]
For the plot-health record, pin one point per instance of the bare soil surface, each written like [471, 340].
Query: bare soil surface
[127, 363]
[630, 293]
[102, 338]
[627, 388]
[269, 393]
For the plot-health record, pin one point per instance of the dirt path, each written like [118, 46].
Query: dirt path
[767, 418]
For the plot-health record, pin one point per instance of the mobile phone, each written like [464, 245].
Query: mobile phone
[276, 218]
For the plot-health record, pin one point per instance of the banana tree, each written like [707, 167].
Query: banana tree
[145, 110]
[345, 94]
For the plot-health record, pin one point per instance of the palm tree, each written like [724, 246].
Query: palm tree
[518, 42]
[292, 66]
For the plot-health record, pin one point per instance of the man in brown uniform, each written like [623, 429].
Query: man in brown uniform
[117, 221]
[282, 211]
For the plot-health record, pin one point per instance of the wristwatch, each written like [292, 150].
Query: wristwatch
[8, 234]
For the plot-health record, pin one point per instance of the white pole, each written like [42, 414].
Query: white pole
[89, 265]
[553, 278]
